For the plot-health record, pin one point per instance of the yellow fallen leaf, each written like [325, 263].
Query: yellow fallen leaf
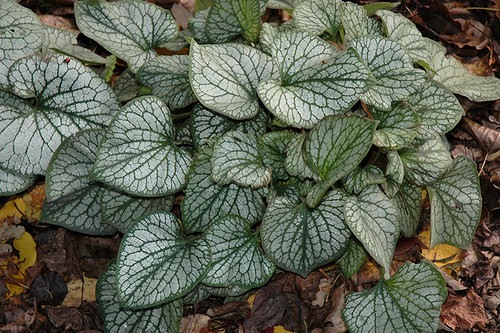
[280, 329]
[26, 246]
[251, 299]
[33, 201]
[79, 291]
[14, 207]
[444, 256]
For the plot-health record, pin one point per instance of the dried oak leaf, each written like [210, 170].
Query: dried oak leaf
[464, 312]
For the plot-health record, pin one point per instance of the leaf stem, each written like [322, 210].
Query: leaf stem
[365, 108]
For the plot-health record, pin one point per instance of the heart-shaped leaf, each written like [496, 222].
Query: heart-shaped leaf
[272, 148]
[129, 29]
[227, 19]
[358, 179]
[374, 220]
[197, 24]
[64, 41]
[295, 163]
[437, 108]
[20, 36]
[225, 77]
[69, 97]
[157, 263]
[236, 158]
[336, 146]
[164, 318]
[356, 22]
[402, 30]
[73, 202]
[316, 79]
[236, 255]
[202, 292]
[79, 211]
[70, 167]
[206, 124]
[12, 183]
[137, 154]
[426, 162]
[455, 77]
[168, 78]
[408, 201]
[410, 301]
[353, 258]
[300, 239]
[318, 16]
[206, 201]
[122, 210]
[392, 68]
[397, 128]
[126, 86]
[395, 168]
[455, 204]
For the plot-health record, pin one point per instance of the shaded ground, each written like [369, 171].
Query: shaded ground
[67, 264]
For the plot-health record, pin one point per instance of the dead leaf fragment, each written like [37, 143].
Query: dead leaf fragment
[487, 137]
[194, 323]
[464, 311]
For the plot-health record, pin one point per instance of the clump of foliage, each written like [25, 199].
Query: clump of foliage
[291, 146]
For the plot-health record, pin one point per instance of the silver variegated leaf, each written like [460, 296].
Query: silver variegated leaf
[455, 204]
[356, 22]
[197, 24]
[70, 167]
[316, 79]
[122, 210]
[138, 155]
[168, 78]
[426, 162]
[236, 158]
[397, 128]
[237, 259]
[402, 30]
[206, 201]
[69, 97]
[395, 168]
[358, 179]
[202, 292]
[225, 77]
[374, 220]
[227, 19]
[437, 108]
[408, 201]
[410, 301]
[12, 183]
[272, 148]
[318, 16]
[78, 211]
[282, 4]
[295, 163]
[129, 29]
[396, 78]
[335, 146]
[353, 258]
[20, 35]
[73, 202]
[300, 239]
[157, 263]
[126, 86]
[163, 318]
[454, 76]
[206, 124]
[57, 40]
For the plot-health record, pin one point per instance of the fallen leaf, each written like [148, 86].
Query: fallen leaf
[487, 137]
[33, 201]
[334, 322]
[194, 323]
[464, 311]
[444, 256]
[14, 207]
[235, 311]
[49, 289]
[26, 258]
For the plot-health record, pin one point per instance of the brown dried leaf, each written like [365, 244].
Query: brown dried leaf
[194, 323]
[464, 312]
[488, 138]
